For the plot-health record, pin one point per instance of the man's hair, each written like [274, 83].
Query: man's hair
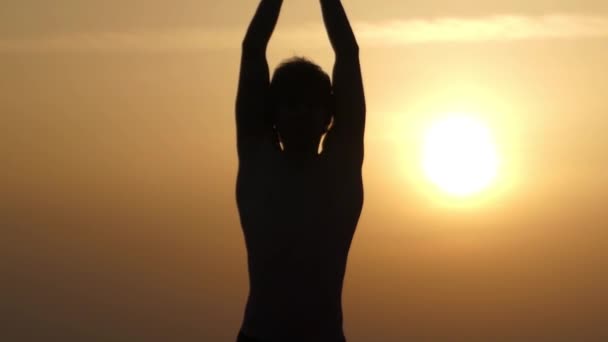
[298, 81]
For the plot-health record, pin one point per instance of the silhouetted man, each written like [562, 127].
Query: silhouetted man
[298, 208]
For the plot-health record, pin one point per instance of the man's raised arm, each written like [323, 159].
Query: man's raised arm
[251, 115]
[346, 135]
[338, 28]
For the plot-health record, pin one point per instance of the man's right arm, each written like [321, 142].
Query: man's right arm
[252, 121]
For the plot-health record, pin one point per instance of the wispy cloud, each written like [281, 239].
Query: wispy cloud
[128, 40]
[391, 33]
[494, 28]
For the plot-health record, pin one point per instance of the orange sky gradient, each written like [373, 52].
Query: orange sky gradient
[118, 154]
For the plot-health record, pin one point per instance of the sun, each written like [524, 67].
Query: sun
[459, 155]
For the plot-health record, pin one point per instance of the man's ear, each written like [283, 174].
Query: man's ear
[276, 138]
[331, 108]
[329, 123]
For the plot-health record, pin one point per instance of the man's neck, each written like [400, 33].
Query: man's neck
[301, 155]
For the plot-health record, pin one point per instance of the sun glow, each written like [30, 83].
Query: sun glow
[459, 155]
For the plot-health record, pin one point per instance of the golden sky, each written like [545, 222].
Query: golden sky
[119, 162]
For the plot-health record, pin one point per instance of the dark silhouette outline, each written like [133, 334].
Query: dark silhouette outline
[298, 208]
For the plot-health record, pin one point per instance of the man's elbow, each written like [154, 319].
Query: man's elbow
[351, 49]
[248, 45]
[251, 45]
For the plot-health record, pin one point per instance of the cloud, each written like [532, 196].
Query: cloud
[494, 28]
[391, 33]
[146, 40]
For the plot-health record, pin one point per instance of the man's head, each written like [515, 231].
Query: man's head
[301, 102]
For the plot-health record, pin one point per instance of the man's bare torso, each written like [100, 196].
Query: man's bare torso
[298, 221]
